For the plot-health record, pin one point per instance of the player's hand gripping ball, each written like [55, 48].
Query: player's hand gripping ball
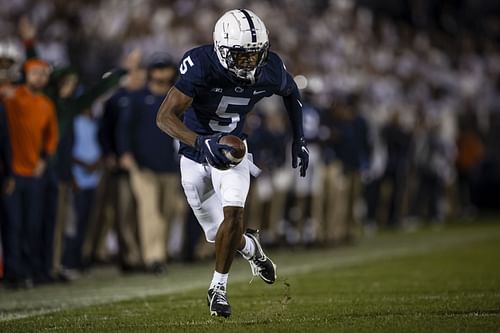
[221, 151]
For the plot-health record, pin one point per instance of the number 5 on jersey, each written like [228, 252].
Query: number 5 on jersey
[222, 113]
[184, 65]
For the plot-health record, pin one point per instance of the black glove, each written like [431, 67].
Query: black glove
[300, 152]
[212, 150]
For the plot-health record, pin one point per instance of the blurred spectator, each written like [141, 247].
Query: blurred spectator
[372, 179]
[398, 143]
[347, 141]
[150, 157]
[430, 163]
[33, 134]
[470, 154]
[86, 154]
[353, 150]
[48, 184]
[333, 206]
[116, 205]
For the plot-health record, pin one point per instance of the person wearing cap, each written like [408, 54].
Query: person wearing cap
[150, 158]
[33, 135]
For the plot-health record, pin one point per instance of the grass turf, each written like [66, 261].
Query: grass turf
[431, 281]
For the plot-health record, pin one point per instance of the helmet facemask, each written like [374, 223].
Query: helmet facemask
[243, 62]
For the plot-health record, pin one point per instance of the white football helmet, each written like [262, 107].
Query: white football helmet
[241, 43]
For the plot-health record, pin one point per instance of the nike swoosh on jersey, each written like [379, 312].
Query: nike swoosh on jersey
[256, 92]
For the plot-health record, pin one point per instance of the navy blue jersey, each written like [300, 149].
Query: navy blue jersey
[221, 102]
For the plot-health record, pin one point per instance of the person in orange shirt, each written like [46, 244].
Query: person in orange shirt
[33, 135]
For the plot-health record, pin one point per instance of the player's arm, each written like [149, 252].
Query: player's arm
[169, 117]
[293, 105]
[169, 121]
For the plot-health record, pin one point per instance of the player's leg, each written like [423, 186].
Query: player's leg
[232, 188]
[199, 182]
[229, 238]
[207, 207]
[201, 197]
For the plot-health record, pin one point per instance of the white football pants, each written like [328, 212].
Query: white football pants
[208, 190]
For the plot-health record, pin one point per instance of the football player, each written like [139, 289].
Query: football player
[218, 85]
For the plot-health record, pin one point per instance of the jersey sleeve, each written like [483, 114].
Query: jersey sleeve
[286, 87]
[191, 74]
[285, 84]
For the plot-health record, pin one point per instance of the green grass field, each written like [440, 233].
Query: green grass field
[429, 281]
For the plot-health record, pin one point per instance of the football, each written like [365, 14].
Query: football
[239, 148]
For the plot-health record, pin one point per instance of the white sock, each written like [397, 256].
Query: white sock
[219, 279]
[249, 250]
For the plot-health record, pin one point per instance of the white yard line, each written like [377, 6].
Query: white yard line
[96, 289]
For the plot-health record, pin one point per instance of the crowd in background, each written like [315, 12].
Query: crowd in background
[401, 121]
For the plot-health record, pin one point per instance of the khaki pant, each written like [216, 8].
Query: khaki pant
[335, 202]
[159, 202]
[354, 190]
[342, 193]
[114, 207]
[65, 214]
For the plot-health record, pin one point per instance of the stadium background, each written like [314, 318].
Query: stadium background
[402, 111]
